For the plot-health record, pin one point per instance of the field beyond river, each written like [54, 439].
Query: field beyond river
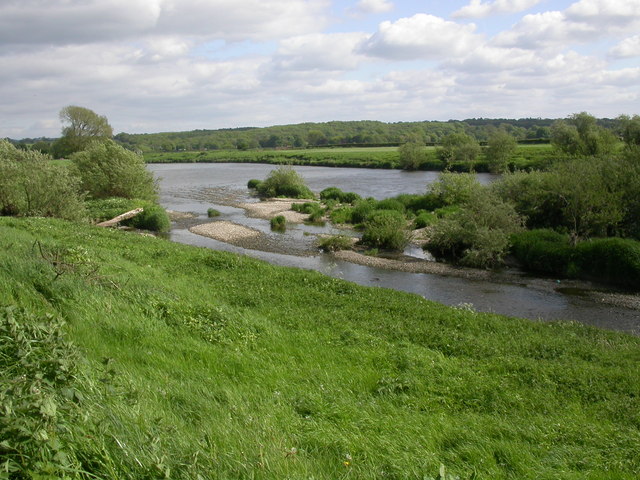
[129, 356]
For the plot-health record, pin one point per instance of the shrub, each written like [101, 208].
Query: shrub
[108, 170]
[362, 209]
[390, 204]
[424, 219]
[284, 181]
[253, 183]
[334, 193]
[414, 202]
[212, 212]
[342, 215]
[335, 243]
[279, 223]
[455, 188]
[542, 250]
[31, 185]
[615, 260]
[307, 207]
[386, 229]
[153, 218]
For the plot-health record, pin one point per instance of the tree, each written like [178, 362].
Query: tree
[581, 135]
[109, 170]
[412, 155]
[81, 127]
[630, 130]
[500, 147]
[459, 147]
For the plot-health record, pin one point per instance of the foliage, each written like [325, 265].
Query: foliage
[284, 181]
[212, 212]
[424, 219]
[278, 223]
[334, 193]
[454, 188]
[31, 185]
[198, 363]
[154, 218]
[386, 229]
[109, 170]
[459, 147]
[580, 135]
[500, 148]
[478, 234]
[83, 126]
[342, 215]
[253, 183]
[334, 243]
[37, 395]
[612, 260]
[412, 155]
[390, 204]
[630, 130]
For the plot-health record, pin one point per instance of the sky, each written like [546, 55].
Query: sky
[175, 65]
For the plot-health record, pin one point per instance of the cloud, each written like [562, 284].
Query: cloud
[478, 9]
[64, 22]
[366, 7]
[583, 22]
[420, 37]
[627, 48]
[331, 52]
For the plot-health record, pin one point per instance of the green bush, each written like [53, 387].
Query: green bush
[415, 202]
[284, 181]
[253, 183]
[212, 212]
[342, 215]
[279, 223]
[335, 243]
[108, 170]
[362, 209]
[614, 260]
[390, 204]
[386, 229]
[543, 250]
[154, 218]
[31, 185]
[334, 193]
[424, 219]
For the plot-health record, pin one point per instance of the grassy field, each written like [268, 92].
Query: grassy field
[526, 156]
[186, 363]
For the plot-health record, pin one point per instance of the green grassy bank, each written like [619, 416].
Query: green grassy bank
[180, 362]
[525, 156]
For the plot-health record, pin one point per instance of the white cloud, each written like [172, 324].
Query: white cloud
[365, 7]
[583, 22]
[420, 37]
[627, 48]
[478, 9]
[83, 21]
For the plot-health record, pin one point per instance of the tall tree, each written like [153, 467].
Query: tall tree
[81, 126]
[581, 135]
[500, 147]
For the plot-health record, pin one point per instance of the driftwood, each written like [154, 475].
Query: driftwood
[125, 216]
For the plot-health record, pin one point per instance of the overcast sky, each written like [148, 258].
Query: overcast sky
[173, 65]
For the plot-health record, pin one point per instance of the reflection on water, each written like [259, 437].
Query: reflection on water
[197, 187]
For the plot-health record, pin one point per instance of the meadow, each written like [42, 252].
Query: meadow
[525, 156]
[126, 356]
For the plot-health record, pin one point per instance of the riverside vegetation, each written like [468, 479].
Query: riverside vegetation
[125, 356]
[131, 357]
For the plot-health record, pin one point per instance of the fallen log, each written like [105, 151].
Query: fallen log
[125, 216]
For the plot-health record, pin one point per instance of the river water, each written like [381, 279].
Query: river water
[194, 188]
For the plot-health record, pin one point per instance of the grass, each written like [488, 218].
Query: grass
[526, 156]
[193, 363]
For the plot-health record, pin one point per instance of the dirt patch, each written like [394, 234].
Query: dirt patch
[224, 231]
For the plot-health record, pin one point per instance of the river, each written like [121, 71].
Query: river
[195, 187]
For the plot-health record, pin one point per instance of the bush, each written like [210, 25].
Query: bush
[334, 193]
[424, 219]
[335, 243]
[414, 202]
[108, 170]
[455, 188]
[362, 209]
[31, 185]
[543, 250]
[284, 182]
[342, 215]
[386, 229]
[614, 260]
[253, 183]
[279, 223]
[390, 204]
[212, 212]
[154, 218]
